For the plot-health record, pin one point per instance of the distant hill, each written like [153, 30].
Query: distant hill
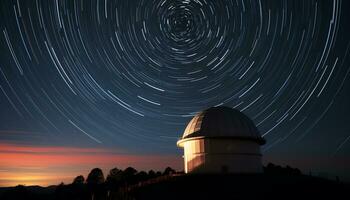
[27, 192]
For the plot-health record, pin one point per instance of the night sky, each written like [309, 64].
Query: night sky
[113, 83]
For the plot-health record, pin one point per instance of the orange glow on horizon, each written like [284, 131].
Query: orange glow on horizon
[35, 165]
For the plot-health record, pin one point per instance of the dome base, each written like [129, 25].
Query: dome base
[218, 155]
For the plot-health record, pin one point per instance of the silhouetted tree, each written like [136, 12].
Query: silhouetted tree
[296, 171]
[114, 178]
[79, 180]
[168, 171]
[151, 174]
[270, 166]
[158, 173]
[278, 170]
[95, 177]
[129, 171]
[128, 175]
[142, 176]
[95, 182]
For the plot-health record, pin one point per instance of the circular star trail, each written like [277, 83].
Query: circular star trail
[133, 73]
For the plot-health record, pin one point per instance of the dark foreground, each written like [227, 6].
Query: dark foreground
[243, 187]
[263, 186]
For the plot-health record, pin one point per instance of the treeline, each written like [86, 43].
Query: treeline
[120, 184]
[272, 169]
[114, 186]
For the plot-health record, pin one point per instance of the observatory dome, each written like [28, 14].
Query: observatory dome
[222, 122]
[221, 140]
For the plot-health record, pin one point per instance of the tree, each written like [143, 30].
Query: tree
[95, 183]
[142, 176]
[128, 175]
[114, 177]
[278, 170]
[129, 171]
[158, 173]
[151, 174]
[169, 171]
[95, 177]
[79, 180]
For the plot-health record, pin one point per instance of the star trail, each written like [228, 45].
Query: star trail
[131, 74]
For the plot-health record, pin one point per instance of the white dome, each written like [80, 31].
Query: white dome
[222, 122]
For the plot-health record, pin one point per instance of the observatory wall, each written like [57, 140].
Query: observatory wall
[219, 155]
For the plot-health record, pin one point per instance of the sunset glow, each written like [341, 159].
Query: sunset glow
[36, 165]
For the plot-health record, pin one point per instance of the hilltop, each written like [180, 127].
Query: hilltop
[244, 186]
[275, 183]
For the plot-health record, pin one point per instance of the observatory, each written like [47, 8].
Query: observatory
[221, 140]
